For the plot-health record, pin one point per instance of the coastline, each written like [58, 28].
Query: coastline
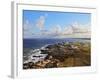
[37, 43]
[65, 54]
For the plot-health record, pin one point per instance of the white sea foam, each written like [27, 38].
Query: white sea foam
[36, 56]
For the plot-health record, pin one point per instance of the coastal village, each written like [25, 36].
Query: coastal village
[65, 54]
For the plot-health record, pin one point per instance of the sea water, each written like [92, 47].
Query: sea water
[38, 43]
[30, 45]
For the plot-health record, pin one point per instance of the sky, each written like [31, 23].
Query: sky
[50, 24]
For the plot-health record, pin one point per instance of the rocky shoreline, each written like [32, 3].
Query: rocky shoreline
[65, 54]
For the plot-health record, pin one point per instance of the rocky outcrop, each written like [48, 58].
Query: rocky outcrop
[61, 54]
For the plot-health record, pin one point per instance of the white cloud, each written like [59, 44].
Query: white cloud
[79, 28]
[80, 31]
[26, 24]
[56, 29]
[29, 27]
[67, 30]
[75, 30]
[40, 22]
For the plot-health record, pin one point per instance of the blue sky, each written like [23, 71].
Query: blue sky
[36, 23]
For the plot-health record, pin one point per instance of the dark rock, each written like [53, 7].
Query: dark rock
[50, 65]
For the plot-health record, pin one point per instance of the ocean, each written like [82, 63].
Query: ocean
[37, 43]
